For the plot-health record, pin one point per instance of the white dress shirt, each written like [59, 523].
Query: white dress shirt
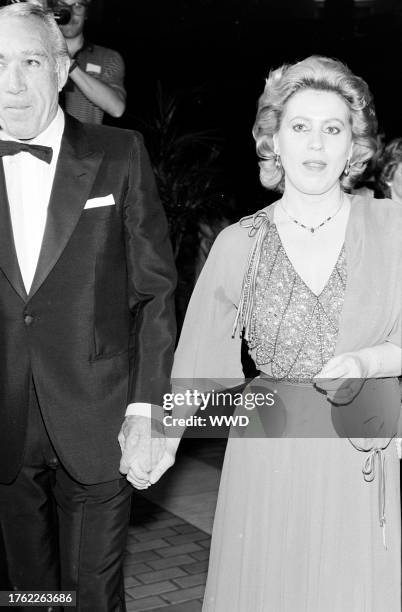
[29, 182]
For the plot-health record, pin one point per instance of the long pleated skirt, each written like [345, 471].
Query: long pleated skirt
[298, 528]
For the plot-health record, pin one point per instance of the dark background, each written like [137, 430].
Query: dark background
[216, 54]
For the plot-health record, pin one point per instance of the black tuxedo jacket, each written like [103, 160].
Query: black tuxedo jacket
[96, 331]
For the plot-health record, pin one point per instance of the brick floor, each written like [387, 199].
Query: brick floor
[165, 563]
[167, 558]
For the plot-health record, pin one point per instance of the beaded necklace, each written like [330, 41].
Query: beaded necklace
[317, 227]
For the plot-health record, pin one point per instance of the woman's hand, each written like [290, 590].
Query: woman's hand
[166, 461]
[342, 377]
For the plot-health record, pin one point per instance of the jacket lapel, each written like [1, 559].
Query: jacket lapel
[76, 171]
[8, 254]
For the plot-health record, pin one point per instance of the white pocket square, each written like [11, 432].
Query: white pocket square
[104, 201]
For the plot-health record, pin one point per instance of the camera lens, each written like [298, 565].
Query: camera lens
[62, 15]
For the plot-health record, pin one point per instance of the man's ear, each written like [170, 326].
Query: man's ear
[62, 68]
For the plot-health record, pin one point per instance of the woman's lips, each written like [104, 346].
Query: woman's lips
[315, 165]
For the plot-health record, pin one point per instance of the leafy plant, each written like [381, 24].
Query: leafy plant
[186, 165]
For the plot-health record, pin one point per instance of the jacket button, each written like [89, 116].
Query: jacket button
[28, 319]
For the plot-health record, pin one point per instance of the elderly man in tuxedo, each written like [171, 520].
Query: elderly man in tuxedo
[86, 326]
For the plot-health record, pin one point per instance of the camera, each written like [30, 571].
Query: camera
[62, 14]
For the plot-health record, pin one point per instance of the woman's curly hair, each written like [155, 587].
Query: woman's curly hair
[321, 74]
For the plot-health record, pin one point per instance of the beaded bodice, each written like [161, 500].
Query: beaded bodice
[293, 330]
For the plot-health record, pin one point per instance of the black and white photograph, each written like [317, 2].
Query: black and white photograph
[200, 305]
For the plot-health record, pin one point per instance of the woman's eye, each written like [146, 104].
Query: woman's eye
[332, 129]
[299, 127]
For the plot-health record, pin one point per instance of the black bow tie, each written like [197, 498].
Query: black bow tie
[11, 147]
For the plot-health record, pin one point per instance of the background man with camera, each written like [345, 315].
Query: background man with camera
[96, 80]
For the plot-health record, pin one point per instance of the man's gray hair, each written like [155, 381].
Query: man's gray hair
[34, 9]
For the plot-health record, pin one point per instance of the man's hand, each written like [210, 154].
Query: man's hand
[141, 450]
[342, 377]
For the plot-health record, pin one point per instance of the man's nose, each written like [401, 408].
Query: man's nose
[15, 80]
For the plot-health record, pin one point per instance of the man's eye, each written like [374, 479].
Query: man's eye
[332, 129]
[34, 63]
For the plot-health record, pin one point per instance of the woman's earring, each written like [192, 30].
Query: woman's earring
[277, 161]
[347, 168]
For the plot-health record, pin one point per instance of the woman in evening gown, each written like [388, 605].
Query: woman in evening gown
[308, 515]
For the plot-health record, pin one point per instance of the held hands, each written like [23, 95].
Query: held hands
[146, 453]
[342, 377]
[141, 450]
